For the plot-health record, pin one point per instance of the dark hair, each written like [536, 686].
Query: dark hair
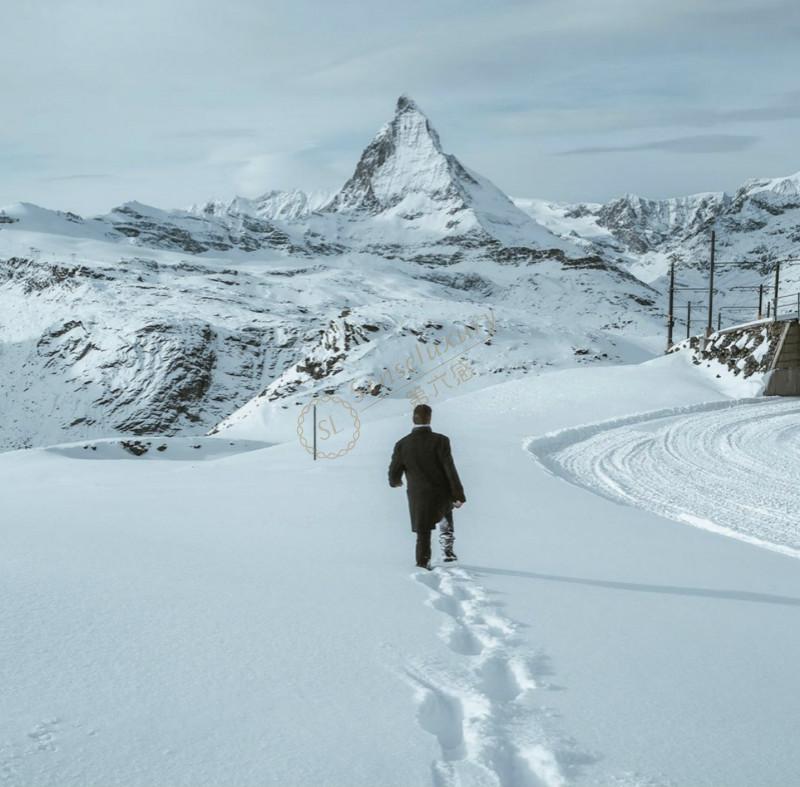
[422, 414]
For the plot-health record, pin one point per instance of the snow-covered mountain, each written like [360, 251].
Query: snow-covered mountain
[406, 198]
[273, 205]
[169, 343]
[135, 224]
[406, 182]
[758, 223]
[146, 320]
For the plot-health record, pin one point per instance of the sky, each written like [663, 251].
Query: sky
[172, 103]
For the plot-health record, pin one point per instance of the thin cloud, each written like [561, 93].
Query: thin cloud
[768, 114]
[79, 176]
[216, 133]
[701, 143]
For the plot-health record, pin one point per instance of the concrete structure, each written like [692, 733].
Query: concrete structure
[766, 349]
[783, 376]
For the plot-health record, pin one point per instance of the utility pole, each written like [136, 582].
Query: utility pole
[709, 327]
[769, 303]
[719, 320]
[777, 284]
[670, 315]
[760, 299]
[315, 432]
[688, 319]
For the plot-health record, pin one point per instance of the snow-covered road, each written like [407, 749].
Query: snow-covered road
[729, 469]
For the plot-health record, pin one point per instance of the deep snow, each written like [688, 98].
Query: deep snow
[255, 619]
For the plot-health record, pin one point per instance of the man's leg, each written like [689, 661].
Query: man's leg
[447, 537]
[423, 547]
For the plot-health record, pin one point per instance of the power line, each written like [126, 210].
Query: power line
[760, 269]
[734, 263]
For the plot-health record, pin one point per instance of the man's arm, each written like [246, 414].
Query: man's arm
[396, 467]
[449, 467]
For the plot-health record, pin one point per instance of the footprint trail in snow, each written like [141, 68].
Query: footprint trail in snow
[484, 717]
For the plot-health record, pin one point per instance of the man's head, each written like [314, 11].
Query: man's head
[422, 414]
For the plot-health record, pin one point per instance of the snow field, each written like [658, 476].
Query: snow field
[251, 621]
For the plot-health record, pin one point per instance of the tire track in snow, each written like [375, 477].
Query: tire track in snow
[729, 469]
[485, 719]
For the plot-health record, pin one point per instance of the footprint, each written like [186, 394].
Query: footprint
[457, 592]
[497, 679]
[515, 769]
[43, 735]
[442, 715]
[427, 578]
[442, 601]
[450, 588]
[499, 623]
[486, 719]
[486, 637]
[461, 640]
[543, 765]
[477, 594]
[446, 604]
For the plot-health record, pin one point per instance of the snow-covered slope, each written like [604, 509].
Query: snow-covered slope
[196, 234]
[134, 346]
[136, 224]
[166, 343]
[23, 216]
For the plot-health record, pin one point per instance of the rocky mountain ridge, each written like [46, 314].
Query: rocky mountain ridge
[758, 223]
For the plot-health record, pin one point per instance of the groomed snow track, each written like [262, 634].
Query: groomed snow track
[731, 467]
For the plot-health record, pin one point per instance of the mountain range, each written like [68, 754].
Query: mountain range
[152, 321]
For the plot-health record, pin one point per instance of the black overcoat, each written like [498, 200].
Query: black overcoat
[431, 477]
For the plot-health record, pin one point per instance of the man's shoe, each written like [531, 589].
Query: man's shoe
[426, 566]
[450, 558]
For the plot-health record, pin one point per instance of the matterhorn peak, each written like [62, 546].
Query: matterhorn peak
[404, 176]
[411, 125]
[405, 157]
[405, 102]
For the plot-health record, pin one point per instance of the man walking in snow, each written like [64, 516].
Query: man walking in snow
[434, 487]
